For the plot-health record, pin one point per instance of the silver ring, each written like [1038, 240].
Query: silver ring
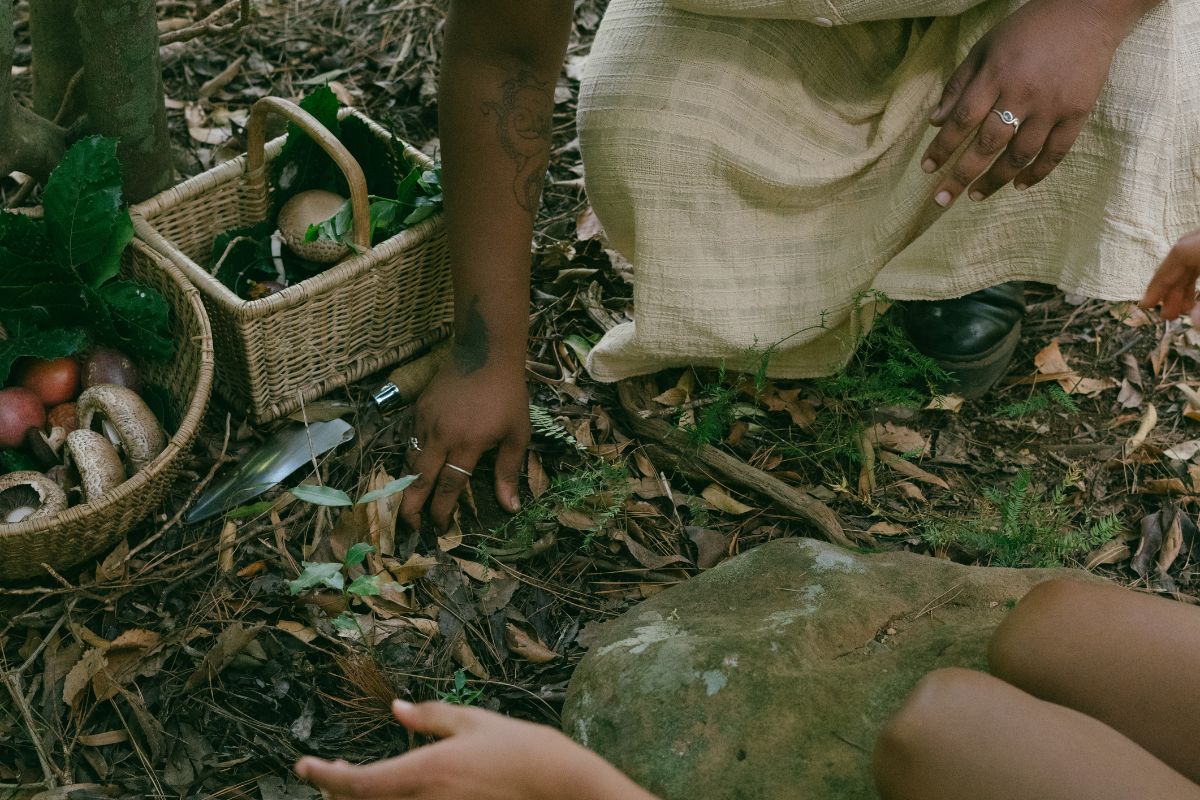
[457, 468]
[413, 444]
[1008, 118]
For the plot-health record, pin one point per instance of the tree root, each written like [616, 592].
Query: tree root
[686, 456]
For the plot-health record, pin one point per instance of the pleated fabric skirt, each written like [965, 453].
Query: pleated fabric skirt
[758, 161]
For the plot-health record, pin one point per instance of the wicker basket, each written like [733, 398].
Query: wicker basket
[81, 532]
[372, 310]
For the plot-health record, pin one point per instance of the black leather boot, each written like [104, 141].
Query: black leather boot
[973, 337]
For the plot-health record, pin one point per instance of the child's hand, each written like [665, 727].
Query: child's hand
[482, 756]
[1174, 285]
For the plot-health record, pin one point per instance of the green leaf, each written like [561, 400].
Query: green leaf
[322, 495]
[327, 574]
[394, 487]
[580, 345]
[302, 164]
[252, 510]
[15, 461]
[87, 225]
[345, 623]
[25, 252]
[364, 586]
[140, 320]
[38, 344]
[357, 554]
[378, 157]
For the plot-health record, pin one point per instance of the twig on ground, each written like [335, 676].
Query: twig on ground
[212, 24]
[633, 394]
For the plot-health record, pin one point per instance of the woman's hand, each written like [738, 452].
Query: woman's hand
[459, 417]
[1046, 64]
[482, 756]
[1174, 285]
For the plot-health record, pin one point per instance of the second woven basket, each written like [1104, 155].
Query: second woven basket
[376, 308]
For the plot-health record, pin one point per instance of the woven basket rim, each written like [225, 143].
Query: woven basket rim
[189, 425]
[143, 215]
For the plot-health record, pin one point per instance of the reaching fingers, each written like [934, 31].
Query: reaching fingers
[395, 777]
[992, 138]
[425, 464]
[966, 115]
[1020, 153]
[452, 478]
[1174, 284]
[508, 473]
[955, 86]
[1057, 145]
[440, 720]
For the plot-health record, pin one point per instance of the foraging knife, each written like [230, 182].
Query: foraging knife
[283, 453]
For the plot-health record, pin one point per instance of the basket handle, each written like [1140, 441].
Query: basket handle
[256, 141]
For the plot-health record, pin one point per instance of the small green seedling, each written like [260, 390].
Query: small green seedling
[333, 574]
[460, 695]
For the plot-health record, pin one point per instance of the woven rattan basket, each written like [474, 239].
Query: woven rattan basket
[372, 310]
[84, 531]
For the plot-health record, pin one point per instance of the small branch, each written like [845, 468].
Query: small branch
[733, 470]
[212, 24]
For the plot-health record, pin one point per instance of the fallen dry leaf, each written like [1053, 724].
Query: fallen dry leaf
[1149, 420]
[720, 500]
[230, 642]
[1113, 551]
[900, 439]
[887, 529]
[911, 470]
[946, 402]
[522, 645]
[711, 547]
[539, 481]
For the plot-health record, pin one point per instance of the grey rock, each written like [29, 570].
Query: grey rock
[771, 675]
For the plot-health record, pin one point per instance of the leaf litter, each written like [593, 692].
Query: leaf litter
[187, 666]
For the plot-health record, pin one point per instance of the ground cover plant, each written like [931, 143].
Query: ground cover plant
[184, 663]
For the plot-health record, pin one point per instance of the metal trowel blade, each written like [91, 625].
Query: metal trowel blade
[286, 451]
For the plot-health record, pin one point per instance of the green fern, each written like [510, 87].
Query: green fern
[1024, 526]
[545, 425]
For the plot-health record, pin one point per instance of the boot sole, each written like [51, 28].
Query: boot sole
[972, 378]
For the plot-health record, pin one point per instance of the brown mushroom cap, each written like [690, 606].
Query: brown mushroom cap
[311, 208]
[98, 462]
[28, 496]
[130, 422]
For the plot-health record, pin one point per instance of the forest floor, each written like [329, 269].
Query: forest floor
[179, 672]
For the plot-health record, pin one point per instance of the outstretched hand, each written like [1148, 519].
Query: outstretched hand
[458, 418]
[482, 756]
[1045, 64]
[1174, 284]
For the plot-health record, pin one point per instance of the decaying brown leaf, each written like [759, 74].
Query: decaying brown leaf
[522, 645]
[231, 641]
[719, 499]
[911, 470]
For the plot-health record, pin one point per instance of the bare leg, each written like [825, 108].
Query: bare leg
[1129, 660]
[965, 735]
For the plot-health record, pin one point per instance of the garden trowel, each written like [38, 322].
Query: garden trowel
[286, 451]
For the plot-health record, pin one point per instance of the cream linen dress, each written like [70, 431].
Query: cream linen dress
[758, 163]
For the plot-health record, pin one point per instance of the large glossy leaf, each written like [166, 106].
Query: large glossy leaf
[86, 223]
[139, 319]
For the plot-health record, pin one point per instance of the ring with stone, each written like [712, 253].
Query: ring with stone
[1008, 118]
[457, 468]
[413, 444]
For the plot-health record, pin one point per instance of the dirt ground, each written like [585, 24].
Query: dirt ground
[171, 670]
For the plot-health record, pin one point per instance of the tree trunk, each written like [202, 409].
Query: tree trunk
[123, 89]
[28, 142]
[56, 56]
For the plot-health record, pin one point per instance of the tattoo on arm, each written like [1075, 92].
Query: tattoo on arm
[524, 123]
[471, 344]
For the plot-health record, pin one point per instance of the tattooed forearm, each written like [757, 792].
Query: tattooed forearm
[472, 343]
[524, 124]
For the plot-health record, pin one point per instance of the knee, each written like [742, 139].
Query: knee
[1039, 619]
[924, 730]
